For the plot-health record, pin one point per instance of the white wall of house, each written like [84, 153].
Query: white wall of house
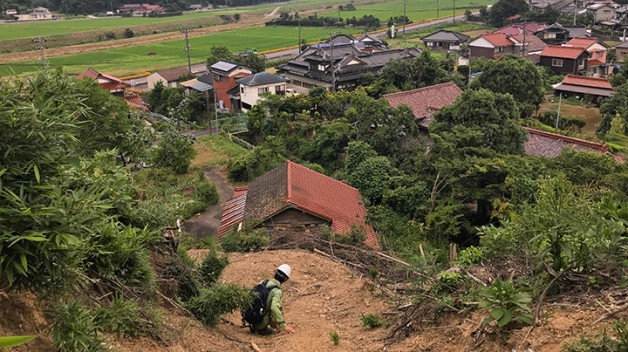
[156, 77]
[250, 95]
[604, 13]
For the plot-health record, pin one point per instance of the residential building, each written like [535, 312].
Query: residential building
[224, 76]
[11, 12]
[339, 63]
[292, 198]
[587, 88]
[169, 78]
[564, 6]
[533, 46]
[493, 46]
[195, 84]
[551, 145]
[557, 34]
[601, 12]
[41, 13]
[196, 7]
[444, 40]
[564, 59]
[116, 87]
[139, 10]
[425, 101]
[621, 51]
[113, 84]
[596, 64]
[253, 87]
[521, 28]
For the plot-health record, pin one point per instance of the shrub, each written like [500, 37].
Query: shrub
[125, 318]
[75, 328]
[212, 266]
[448, 281]
[246, 240]
[505, 303]
[470, 255]
[110, 35]
[371, 321]
[128, 33]
[174, 153]
[181, 268]
[335, 337]
[212, 303]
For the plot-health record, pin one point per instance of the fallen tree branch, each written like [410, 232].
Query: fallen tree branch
[475, 279]
[338, 259]
[175, 304]
[612, 313]
[538, 305]
[255, 347]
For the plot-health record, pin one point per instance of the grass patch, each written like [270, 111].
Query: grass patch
[468, 28]
[417, 10]
[617, 142]
[590, 115]
[215, 150]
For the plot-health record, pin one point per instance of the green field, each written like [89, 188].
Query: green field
[28, 30]
[171, 53]
[416, 10]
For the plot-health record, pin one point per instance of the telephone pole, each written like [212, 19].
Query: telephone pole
[437, 13]
[454, 12]
[39, 45]
[404, 17]
[187, 48]
[331, 61]
[299, 36]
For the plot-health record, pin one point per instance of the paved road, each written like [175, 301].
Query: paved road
[409, 28]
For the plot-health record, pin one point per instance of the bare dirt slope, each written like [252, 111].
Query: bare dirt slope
[321, 296]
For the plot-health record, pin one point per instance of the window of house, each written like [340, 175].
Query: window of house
[262, 90]
[557, 62]
[430, 43]
[499, 49]
[242, 89]
[549, 35]
[280, 89]
[321, 67]
[217, 78]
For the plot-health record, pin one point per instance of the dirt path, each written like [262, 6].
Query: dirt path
[273, 12]
[206, 223]
[321, 296]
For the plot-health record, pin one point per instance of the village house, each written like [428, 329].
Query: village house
[196, 7]
[169, 78]
[425, 101]
[139, 10]
[564, 59]
[521, 28]
[224, 76]
[40, 13]
[293, 198]
[621, 51]
[557, 34]
[601, 12]
[340, 63]
[253, 87]
[11, 12]
[587, 88]
[551, 145]
[596, 64]
[116, 87]
[493, 46]
[444, 40]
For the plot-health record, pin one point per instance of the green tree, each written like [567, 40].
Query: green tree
[518, 77]
[174, 152]
[506, 8]
[612, 106]
[372, 177]
[219, 53]
[329, 143]
[489, 118]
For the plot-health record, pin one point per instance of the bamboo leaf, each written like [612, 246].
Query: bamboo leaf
[11, 341]
[37, 176]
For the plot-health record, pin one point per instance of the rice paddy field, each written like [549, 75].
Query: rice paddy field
[171, 53]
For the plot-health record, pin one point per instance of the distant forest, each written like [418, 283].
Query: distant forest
[92, 6]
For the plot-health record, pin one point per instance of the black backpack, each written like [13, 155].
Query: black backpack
[255, 313]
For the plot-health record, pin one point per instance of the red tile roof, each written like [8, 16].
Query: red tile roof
[113, 84]
[550, 145]
[519, 28]
[563, 52]
[498, 39]
[595, 62]
[424, 101]
[592, 82]
[135, 100]
[579, 42]
[293, 185]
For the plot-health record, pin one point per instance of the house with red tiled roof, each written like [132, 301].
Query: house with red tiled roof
[588, 88]
[493, 46]
[596, 64]
[550, 145]
[294, 198]
[425, 101]
[564, 59]
[113, 84]
[519, 28]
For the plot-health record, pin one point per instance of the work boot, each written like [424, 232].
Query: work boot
[266, 331]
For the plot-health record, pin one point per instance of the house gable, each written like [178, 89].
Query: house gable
[482, 43]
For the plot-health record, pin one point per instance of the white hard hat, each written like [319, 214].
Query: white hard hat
[285, 269]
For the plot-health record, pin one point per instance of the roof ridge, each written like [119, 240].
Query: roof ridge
[289, 165]
[601, 146]
[450, 83]
[588, 78]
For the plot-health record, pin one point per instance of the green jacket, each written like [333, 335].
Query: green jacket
[273, 304]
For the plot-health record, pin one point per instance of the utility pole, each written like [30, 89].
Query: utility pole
[39, 42]
[437, 13]
[525, 29]
[560, 99]
[454, 12]
[331, 61]
[299, 36]
[404, 17]
[187, 48]
[575, 11]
